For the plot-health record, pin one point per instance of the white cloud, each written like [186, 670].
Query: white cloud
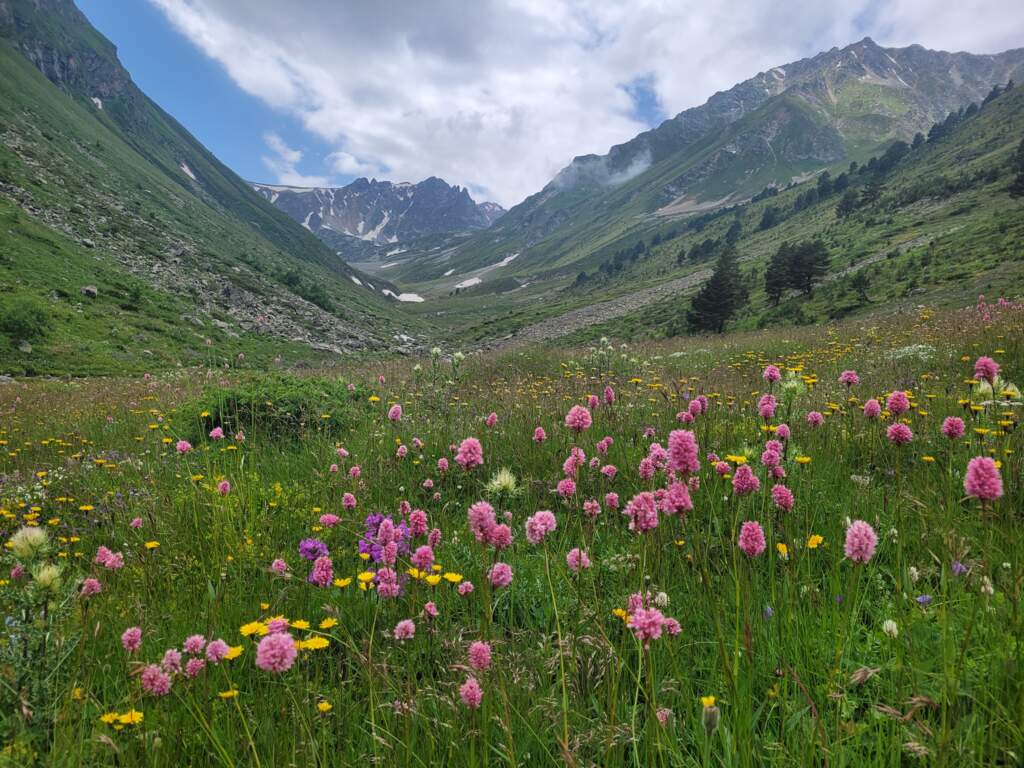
[283, 161]
[499, 95]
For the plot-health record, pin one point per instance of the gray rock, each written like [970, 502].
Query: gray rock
[88, 243]
[25, 347]
[91, 291]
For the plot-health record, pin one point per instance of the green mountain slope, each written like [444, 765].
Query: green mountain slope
[936, 223]
[781, 125]
[100, 187]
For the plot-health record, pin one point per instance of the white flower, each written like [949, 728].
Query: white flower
[890, 628]
[661, 600]
[29, 541]
[986, 586]
[914, 574]
[47, 577]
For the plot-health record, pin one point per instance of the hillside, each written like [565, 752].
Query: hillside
[782, 125]
[100, 189]
[937, 224]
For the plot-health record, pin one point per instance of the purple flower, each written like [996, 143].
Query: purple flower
[311, 549]
[959, 569]
[924, 600]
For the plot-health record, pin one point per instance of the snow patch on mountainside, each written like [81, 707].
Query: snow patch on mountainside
[188, 171]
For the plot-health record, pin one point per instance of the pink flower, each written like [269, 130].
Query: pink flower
[849, 378]
[216, 651]
[333, 469]
[491, 420]
[402, 451]
[430, 609]
[647, 624]
[355, 472]
[480, 655]
[664, 716]
[277, 626]
[577, 560]
[986, 368]
[982, 480]
[279, 566]
[872, 409]
[898, 402]
[578, 419]
[405, 630]
[744, 480]
[566, 488]
[771, 374]
[276, 652]
[216, 433]
[500, 536]
[155, 682]
[423, 558]
[194, 666]
[329, 520]
[609, 471]
[223, 487]
[481, 519]
[131, 639]
[418, 522]
[683, 452]
[782, 432]
[609, 396]
[766, 407]
[471, 693]
[342, 453]
[539, 435]
[642, 510]
[171, 661]
[465, 588]
[539, 525]
[90, 587]
[676, 499]
[348, 501]
[752, 538]
[783, 497]
[592, 508]
[500, 575]
[323, 572]
[135, 523]
[442, 465]
[953, 427]
[194, 644]
[899, 433]
[815, 419]
[395, 413]
[861, 541]
[611, 500]
[183, 446]
[470, 454]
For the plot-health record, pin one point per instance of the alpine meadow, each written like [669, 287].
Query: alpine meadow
[323, 442]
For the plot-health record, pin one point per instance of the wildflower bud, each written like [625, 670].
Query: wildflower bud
[28, 542]
[47, 577]
[711, 717]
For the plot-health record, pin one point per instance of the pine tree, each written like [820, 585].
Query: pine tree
[776, 277]
[720, 297]
[809, 263]
[1017, 185]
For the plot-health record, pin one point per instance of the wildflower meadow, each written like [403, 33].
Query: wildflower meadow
[797, 547]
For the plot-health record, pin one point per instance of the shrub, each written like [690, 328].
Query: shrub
[24, 318]
[274, 406]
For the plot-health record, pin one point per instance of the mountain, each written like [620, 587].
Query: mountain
[132, 237]
[777, 127]
[381, 213]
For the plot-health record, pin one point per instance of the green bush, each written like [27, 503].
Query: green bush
[273, 406]
[24, 318]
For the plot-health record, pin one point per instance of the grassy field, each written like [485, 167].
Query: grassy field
[174, 597]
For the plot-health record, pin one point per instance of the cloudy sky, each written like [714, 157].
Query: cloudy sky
[496, 95]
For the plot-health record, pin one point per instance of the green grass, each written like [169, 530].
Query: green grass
[818, 677]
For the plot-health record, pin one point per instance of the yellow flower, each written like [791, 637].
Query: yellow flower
[783, 550]
[433, 580]
[707, 701]
[253, 628]
[131, 717]
[366, 576]
[328, 623]
[229, 694]
[374, 399]
[264, 606]
[109, 718]
[453, 578]
[77, 694]
[814, 541]
[621, 613]
[152, 544]
[803, 459]
[928, 459]
[299, 624]
[343, 582]
[234, 652]
[324, 706]
[315, 643]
